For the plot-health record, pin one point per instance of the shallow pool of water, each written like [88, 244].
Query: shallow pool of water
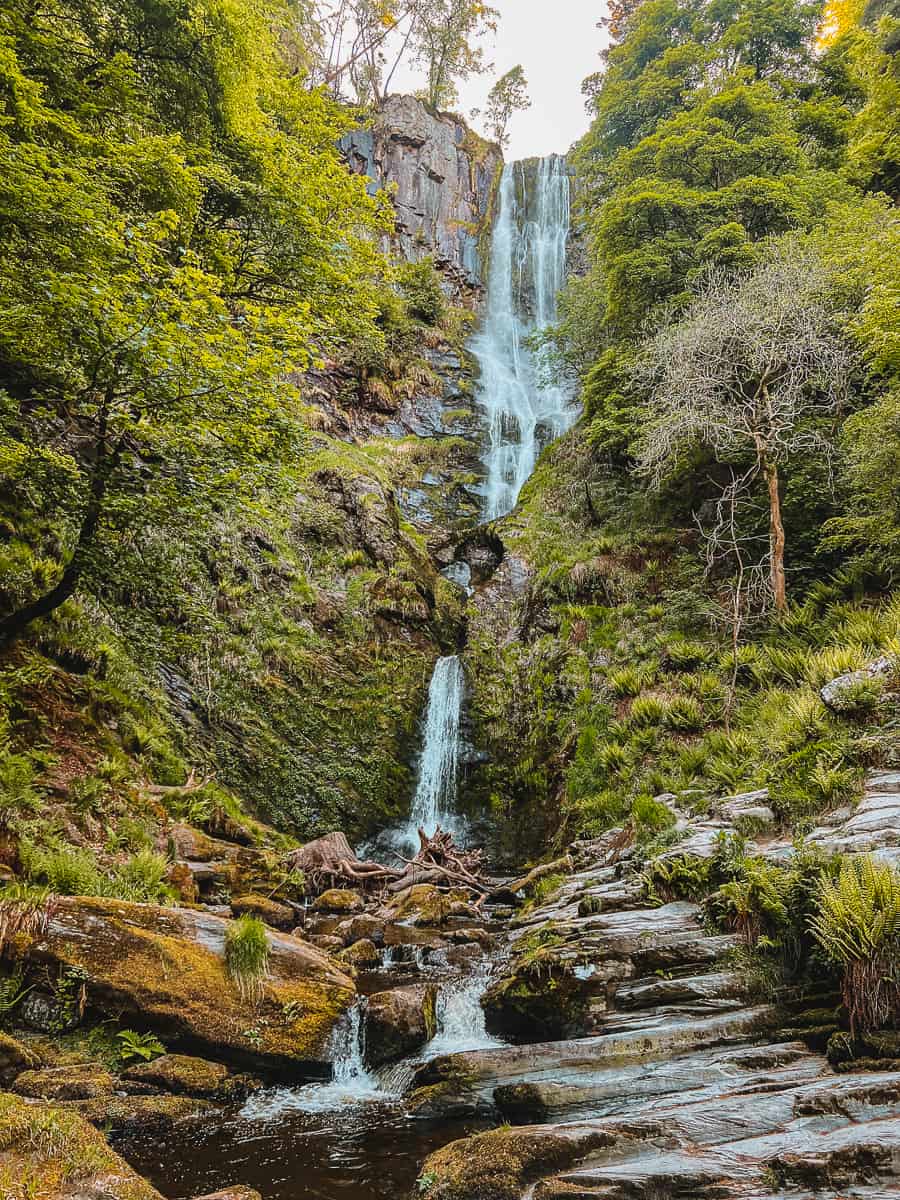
[357, 1151]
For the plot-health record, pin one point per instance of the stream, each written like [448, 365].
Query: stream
[350, 1138]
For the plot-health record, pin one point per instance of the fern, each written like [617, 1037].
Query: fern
[858, 927]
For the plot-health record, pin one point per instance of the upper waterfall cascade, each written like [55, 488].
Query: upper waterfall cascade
[528, 268]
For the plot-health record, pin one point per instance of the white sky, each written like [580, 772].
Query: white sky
[558, 43]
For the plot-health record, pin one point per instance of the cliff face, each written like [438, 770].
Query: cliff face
[443, 178]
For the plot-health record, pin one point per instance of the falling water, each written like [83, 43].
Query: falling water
[435, 797]
[460, 1017]
[528, 268]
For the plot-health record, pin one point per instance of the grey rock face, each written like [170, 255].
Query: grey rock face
[838, 694]
[444, 180]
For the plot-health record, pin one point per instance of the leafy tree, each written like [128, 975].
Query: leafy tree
[178, 234]
[508, 95]
[444, 43]
[747, 371]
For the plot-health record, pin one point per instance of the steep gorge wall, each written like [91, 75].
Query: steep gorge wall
[442, 177]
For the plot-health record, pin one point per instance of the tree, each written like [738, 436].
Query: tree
[508, 95]
[755, 363]
[177, 234]
[443, 42]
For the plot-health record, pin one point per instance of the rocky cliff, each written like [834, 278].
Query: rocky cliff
[442, 177]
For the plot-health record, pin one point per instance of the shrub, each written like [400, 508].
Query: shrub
[626, 682]
[420, 285]
[857, 925]
[681, 877]
[647, 711]
[66, 870]
[684, 655]
[685, 714]
[142, 879]
[18, 794]
[247, 956]
[650, 816]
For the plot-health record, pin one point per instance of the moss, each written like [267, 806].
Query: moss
[500, 1164]
[49, 1151]
[167, 967]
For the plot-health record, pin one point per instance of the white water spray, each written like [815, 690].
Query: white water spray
[435, 798]
[460, 1017]
[528, 268]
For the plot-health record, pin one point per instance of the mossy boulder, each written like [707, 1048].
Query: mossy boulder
[362, 955]
[338, 900]
[363, 925]
[166, 969]
[54, 1153]
[15, 1057]
[139, 1116]
[399, 1022]
[423, 904]
[185, 1075]
[79, 1081]
[279, 916]
[500, 1164]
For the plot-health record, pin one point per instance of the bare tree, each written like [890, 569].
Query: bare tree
[746, 372]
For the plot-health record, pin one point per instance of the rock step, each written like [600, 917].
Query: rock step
[617, 1090]
[643, 993]
[825, 1134]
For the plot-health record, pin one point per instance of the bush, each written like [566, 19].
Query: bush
[650, 816]
[420, 285]
[247, 956]
[647, 711]
[857, 925]
[685, 715]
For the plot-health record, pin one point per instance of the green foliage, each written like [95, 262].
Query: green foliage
[857, 925]
[247, 956]
[66, 870]
[420, 285]
[141, 1046]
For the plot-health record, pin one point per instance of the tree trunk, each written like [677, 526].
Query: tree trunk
[776, 538]
[13, 626]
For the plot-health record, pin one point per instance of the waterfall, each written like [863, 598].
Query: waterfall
[528, 268]
[460, 1017]
[435, 796]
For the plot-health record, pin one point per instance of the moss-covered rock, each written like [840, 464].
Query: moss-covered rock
[82, 1081]
[362, 955]
[399, 1022]
[54, 1153]
[338, 900]
[279, 916]
[500, 1164]
[139, 1116]
[423, 905]
[15, 1057]
[185, 1075]
[167, 968]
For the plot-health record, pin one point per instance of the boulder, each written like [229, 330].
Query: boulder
[338, 900]
[363, 925]
[82, 1081]
[180, 877]
[399, 1022]
[15, 1057]
[362, 955]
[840, 694]
[422, 904]
[279, 916]
[185, 1075]
[138, 1116]
[62, 1156]
[166, 968]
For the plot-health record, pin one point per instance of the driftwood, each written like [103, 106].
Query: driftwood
[331, 860]
[191, 784]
